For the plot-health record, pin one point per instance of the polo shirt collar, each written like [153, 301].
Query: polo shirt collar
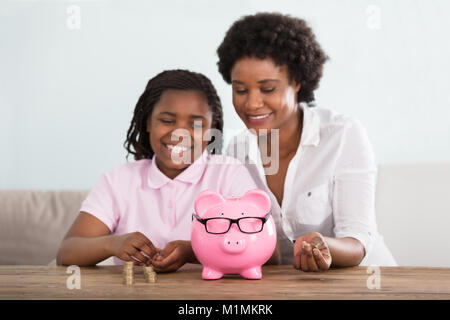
[192, 174]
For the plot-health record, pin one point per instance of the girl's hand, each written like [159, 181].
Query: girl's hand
[311, 253]
[173, 256]
[133, 247]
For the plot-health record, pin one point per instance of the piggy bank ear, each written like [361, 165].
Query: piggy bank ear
[205, 200]
[258, 198]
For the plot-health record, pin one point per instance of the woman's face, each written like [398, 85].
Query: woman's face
[176, 128]
[263, 96]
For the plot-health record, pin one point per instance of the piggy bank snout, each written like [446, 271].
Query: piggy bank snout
[233, 244]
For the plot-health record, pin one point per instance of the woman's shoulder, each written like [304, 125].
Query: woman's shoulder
[333, 122]
[331, 118]
[347, 133]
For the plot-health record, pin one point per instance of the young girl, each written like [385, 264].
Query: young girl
[141, 211]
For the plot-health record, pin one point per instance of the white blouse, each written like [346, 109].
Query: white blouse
[329, 187]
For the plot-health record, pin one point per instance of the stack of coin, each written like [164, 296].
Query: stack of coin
[128, 273]
[149, 274]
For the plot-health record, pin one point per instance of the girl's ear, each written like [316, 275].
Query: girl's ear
[259, 199]
[206, 200]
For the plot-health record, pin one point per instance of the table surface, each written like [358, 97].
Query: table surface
[278, 282]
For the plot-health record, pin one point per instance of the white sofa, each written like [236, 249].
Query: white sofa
[413, 212]
[412, 203]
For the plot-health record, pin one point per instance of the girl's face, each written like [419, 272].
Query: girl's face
[263, 96]
[171, 129]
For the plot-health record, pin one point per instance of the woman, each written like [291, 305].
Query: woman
[323, 188]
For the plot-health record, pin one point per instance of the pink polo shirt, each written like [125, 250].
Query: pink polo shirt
[137, 196]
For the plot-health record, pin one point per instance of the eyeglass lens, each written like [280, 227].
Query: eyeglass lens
[245, 224]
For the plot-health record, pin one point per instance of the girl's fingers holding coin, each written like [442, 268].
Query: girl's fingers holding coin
[125, 257]
[134, 253]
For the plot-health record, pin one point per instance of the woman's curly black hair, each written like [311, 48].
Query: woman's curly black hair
[137, 135]
[287, 40]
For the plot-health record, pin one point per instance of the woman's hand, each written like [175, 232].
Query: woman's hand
[173, 256]
[133, 247]
[311, 253]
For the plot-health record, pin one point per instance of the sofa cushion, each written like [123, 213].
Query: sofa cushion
[413, 212]
[33, 224]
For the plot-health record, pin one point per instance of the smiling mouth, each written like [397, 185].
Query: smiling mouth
[259, 117]
[176, 148]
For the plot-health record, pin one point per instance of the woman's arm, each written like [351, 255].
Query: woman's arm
[314, 252]
[353, 196]
[87, 242]
[345, 252]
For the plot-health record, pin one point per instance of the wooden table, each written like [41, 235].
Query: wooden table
[279, 282]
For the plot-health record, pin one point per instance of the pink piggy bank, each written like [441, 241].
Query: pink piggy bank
[233, 236]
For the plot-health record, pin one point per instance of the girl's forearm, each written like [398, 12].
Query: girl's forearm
[345, 252]
[84, 251]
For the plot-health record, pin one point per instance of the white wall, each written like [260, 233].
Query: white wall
[67, 95]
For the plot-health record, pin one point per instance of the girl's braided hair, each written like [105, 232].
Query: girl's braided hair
[137, 136]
